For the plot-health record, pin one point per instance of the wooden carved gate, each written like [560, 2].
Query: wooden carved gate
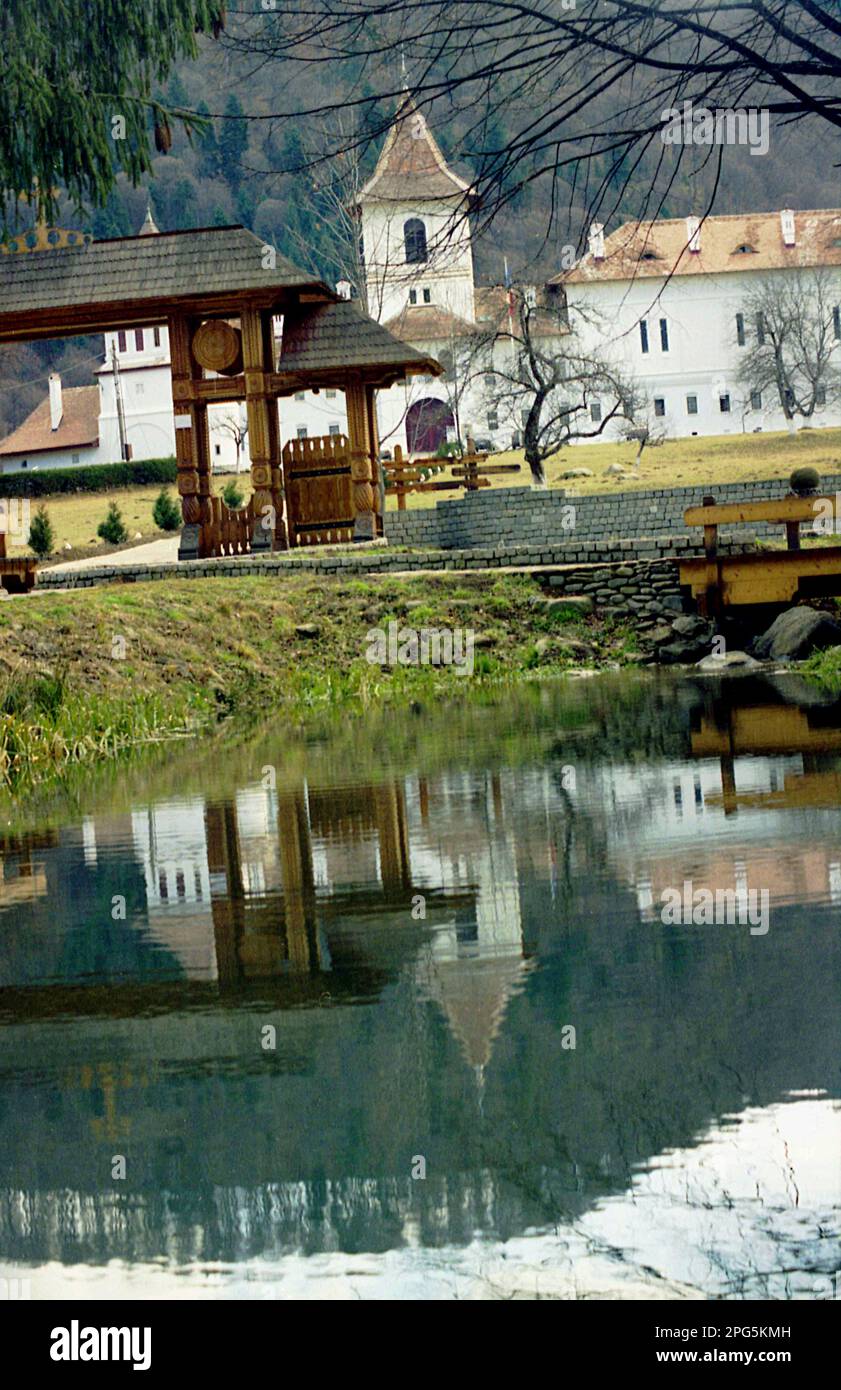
[319, 490]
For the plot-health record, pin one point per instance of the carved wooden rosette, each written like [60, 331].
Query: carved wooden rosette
[364, 526]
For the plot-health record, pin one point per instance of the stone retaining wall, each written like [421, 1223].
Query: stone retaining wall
[525, 515]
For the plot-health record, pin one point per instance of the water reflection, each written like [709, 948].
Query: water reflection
[274, 990]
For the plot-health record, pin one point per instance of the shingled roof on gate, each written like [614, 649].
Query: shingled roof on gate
[95, 281]
[335, 337]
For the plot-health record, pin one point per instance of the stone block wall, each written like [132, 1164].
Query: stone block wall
[522, 515]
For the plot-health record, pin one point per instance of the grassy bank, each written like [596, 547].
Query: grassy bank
[88, 674]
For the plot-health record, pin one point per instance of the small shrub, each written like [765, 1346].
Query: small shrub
[166, 513]
[113, 529]
[231, 496]
[41, 534]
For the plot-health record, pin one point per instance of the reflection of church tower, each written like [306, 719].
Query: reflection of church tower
[416, 245]
[474, 968]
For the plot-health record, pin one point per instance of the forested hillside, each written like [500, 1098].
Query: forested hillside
[271, 175]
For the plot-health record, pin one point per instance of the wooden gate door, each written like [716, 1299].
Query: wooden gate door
[319, 490]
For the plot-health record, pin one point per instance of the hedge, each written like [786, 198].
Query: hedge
[101, 477]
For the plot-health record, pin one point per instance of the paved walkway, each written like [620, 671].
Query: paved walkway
[154, 553]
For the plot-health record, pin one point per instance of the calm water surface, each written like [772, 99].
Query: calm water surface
[393, 1012]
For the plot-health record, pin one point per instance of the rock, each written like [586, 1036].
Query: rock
[307, 629]
[796, 633]
[138, 535]
[692, 626]
[730, 661]
[542, 646]
[572, 647]
[674, 602]
[484, 639]
[680, 653]
[616, 471]
[580, 604]
[660, 634]
[578, 473]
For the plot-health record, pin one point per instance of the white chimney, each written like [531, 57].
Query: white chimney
[596, 240]
[56, 406]
[343, 289]
[693, 234]
[787, 225]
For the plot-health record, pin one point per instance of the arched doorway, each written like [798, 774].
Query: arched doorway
[427, 422]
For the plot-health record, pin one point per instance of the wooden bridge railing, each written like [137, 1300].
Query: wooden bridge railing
[405, 476]
[768, 576]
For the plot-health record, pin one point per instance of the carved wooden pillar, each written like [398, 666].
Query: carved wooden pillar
[374, 446]
[263, 429]
[364, 525]
[186, 450]
[228, 903]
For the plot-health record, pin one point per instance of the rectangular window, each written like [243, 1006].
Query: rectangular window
[413, 296]
[332, 428]
[524, 415]
[300, 395]
[331, 395]
[75, 458]
[724, 403]
[217, 448]
[596, 411]
[643, 335]
[820, 395]
[756, 400]
[121, 340]
[740, 329]
[692, 405]
[659, 405]
[302, 431]
[157, 336]
[760, 329]
[490, 381]
[427, 296]
[493, 421]
[138, 339]
[836, 320]
[664, 335]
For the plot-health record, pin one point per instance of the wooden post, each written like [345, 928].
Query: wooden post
[793, 535]
[263, 429]
[186, 448]
[228, 908]
[398, 478]
[710, 604]
[378, 484]
[364, 524]
[393, 837]
[471, 465]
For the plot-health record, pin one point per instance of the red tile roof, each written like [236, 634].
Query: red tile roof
[659, 248]
[79, 424]
[411, 167]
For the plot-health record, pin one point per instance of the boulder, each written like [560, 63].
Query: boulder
[692, 626]
[579, 604]
[730, 662]
[578, 473]
[679, 653]
[307, 629]
[797, 633]
[616, 471]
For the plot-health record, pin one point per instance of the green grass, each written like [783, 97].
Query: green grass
[202, 653]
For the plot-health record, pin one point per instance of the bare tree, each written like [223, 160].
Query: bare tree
[554, 382]
[576, 91]
[237, 427]
[792, 341]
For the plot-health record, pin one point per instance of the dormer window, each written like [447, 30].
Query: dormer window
[649, 256]
[414, 240]
[744, 250]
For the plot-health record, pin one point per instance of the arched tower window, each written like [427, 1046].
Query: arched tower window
[414, 238]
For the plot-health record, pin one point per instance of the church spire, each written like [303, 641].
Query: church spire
[150, 227]
[411, 167]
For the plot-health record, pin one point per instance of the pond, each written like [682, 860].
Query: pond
[531, 995]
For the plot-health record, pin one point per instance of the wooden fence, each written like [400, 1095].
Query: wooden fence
[469, 472]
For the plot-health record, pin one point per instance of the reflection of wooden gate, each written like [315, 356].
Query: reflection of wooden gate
[319, 490]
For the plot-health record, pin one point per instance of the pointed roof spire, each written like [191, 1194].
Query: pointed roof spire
[150, 227]
[411, 167]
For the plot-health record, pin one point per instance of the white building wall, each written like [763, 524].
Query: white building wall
[447, 273]
[702, 359]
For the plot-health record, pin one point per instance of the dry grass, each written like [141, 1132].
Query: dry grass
[730, 458]
[75, 518]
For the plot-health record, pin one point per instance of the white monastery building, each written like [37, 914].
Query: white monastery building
[663, 300]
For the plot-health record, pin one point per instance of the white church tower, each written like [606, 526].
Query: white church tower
[414, 225]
